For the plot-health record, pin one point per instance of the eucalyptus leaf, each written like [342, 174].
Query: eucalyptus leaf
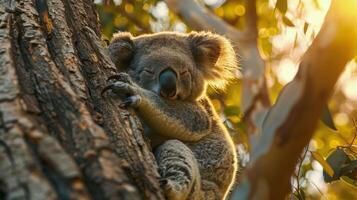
[327, 119]
[349, 181]
[349, 168]
[336, 159]
[326, 166]
[282, 6]
[232, 110]
[306, 26]
[288, 22]
[317, 4]
[301, 194]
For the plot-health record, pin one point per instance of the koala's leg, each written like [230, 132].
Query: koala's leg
[180, 177]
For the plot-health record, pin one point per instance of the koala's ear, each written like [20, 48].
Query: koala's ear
[121, 49]
[214, 56]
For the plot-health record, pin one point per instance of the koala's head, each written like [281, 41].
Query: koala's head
[175, 65]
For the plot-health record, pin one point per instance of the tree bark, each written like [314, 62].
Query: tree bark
[59, 139]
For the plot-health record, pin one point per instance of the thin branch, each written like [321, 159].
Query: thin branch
[354, 137]
[299, 169]
[251, 20]
[317, 188]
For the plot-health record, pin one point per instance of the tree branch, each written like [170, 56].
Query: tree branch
[290, 123]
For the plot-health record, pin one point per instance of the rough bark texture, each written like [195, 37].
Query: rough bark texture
[59, 139]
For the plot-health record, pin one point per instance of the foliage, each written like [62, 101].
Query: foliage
[285, 30]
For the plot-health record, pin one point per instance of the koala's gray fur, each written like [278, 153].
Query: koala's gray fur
[194, 152]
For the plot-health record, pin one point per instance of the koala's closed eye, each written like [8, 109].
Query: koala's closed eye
[149, 71]
[185, 72]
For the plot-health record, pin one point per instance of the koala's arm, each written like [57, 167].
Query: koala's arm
[182, 120]
[186, 121]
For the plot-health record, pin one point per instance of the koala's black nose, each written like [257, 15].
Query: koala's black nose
[168, 83]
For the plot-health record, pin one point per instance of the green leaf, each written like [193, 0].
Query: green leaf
[349, 181]
[232, 110]
[327, 168]
[295, 196]
[299, 194]
[317, 4]
[336, 159]
[288, 22]
[326, 118]
[265, 47]
[306, 26]
[349, 168]
[302, 195]
[296, 40]
[282, 6]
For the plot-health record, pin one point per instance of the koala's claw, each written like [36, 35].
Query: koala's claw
[108, 87]
[123, 77]
[172, 191]
[132, 101]
[119, 87]
[163, 182]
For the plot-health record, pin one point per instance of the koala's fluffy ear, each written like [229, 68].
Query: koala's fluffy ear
[214, 56]
[121, 49]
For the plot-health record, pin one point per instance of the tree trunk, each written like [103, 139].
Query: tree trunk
[59, 139]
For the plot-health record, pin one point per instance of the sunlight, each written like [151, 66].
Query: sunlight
[286, 71]
[341, 119]
[349, 88]
[179, 27]
[214, 3]
[315, 177]
[117, 2]
[348, 81]
[160, 10]
[320, 9]
[293, 42]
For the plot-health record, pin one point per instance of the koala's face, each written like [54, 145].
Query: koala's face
[174, 66]
[167, 70]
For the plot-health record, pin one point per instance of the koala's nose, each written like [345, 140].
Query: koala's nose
[168, 83]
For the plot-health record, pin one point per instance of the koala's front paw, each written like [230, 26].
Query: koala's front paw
[122, 86]
[173, 190]
[123, 77]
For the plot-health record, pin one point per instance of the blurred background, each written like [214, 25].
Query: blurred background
[285, 29]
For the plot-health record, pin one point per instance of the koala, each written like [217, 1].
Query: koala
[164, 77]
